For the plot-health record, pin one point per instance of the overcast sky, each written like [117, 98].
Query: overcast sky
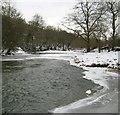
[52, 11]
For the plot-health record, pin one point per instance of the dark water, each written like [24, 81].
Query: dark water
[36, 86]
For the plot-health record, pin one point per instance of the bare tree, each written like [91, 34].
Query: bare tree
[113, 10]
[9, 10]
[101, 32]
[83, 21]
[38, 21]
[38, 24]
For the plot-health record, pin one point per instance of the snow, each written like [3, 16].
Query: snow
[76, 60]
[78, 104]
[88, 91]
[16, 51]
[19, 51]
[54, 52]
[99, 75]
[85, 59]
[110, 58]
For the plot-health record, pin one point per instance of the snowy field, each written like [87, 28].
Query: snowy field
[99, 102]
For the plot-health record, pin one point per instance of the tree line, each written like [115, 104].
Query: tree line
[95, 20]
[89, 24]
[16, 32]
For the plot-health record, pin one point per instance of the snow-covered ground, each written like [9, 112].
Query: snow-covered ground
[19, 51]
[53, 52]
[87, 59]
[98, 75]
[106, 97]
[16, 51]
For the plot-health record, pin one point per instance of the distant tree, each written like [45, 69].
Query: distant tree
[83, 21]
[9, 10]
[37, 25]
[13, 31]
[101, 32]
[17, 33]
[113, 10]
[13, 26]
[37, 21]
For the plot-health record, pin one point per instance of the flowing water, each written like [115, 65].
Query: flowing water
[40, 85]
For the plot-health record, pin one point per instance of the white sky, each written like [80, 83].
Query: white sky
[52, 11]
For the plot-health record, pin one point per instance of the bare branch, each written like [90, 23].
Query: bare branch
[99, 16]
[80, 24]
[76, 32]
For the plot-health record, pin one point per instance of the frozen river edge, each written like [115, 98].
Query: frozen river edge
[104, 101]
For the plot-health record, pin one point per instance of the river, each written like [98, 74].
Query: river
[47, 82]
[40, 85]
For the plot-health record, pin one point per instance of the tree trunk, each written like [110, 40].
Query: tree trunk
[88, 42]
[99, 46]
[88, 48]
[113, 34]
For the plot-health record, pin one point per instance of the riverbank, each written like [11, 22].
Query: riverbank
[99, 102]
[105, 100]
[37, 86]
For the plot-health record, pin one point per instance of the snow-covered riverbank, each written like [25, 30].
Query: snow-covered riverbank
[101, 101]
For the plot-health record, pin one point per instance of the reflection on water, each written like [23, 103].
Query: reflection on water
[11, 66]
[35, 86]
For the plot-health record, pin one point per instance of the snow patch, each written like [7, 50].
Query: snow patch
[88, 92]
[16, 51]
[19, 51]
